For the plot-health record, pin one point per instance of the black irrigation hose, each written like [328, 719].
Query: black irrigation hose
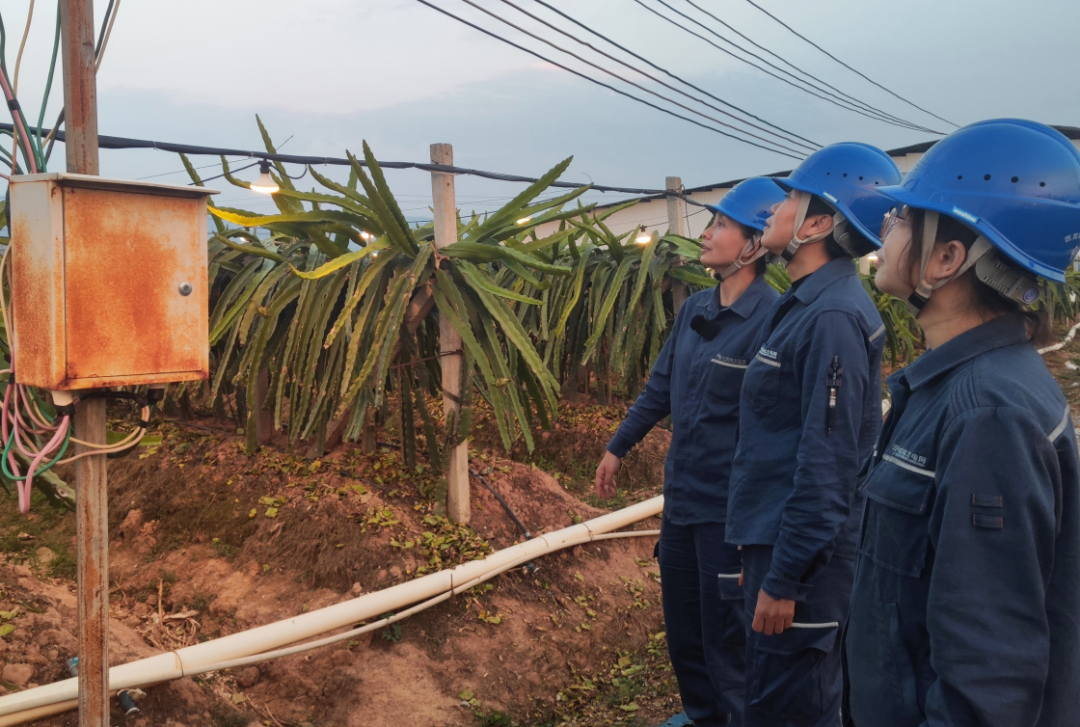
[530, 566]
[505, 506]
[119, 142]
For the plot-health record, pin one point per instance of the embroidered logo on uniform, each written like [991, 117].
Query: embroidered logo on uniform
[964, 215]
[910, 457]
[735, 363]
[769, 354]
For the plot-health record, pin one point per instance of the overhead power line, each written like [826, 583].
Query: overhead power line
[120, 142]
[845, 65]
[654, 11]
[625, 80]
[793, 136]
[601, 83]
[791, 65]
[672, 75]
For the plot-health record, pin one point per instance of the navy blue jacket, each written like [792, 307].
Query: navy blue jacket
[793, 480]
[697, 382]
[966, 607]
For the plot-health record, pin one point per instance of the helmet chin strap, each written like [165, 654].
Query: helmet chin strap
[800, 218]
[751, 252]
[921, 295]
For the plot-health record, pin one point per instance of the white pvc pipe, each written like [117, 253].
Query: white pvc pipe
[60, 696]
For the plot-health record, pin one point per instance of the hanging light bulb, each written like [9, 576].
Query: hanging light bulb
[524, 220]
[264, 184]
[643, 238]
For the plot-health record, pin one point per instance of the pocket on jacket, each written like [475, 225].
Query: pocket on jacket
[895, 534]
[786, 678]
[725, 379]
[761, 387]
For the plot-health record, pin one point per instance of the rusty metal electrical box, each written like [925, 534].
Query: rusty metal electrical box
[108, 282]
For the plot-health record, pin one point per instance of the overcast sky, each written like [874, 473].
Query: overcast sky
[331, 73]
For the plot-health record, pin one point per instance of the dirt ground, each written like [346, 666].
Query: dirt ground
[207, 541]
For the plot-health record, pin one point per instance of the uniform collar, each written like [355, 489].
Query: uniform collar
[1007, 330]
[746, 303]
[823, 277]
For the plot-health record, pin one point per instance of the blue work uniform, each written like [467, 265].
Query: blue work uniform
[966, 605]
[697, 381]
[810, 415]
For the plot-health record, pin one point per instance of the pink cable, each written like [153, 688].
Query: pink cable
[17, 118]
[24, 487]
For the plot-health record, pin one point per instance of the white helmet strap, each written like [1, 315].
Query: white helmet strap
[918, 299]
[800, 218]
[751, 252]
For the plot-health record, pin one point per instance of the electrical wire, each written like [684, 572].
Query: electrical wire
[108, 34]
[106, 29]
[119, 142]
[867, 110]
[48, 87]
[754, 43]
[22, 47]
[641, 72]
[764, 70]
[601, 83]
[845, 65]
[677, 78]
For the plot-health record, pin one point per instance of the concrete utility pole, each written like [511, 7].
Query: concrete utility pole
[91, 501]
[457, 478]
[676, 215]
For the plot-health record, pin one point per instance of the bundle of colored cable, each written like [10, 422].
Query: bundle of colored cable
[28, 431]
[23, 425]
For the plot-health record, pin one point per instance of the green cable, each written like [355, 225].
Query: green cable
[7, 448]
[48, 87]
[3, 43]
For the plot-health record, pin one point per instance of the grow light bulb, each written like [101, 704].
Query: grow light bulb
[524, 220]
[643, 239]
[872, 257]
[366, 236]
[264, 184]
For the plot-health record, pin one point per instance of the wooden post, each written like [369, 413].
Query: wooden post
[676, 215]
[264, 420]
[457, 478]
[91, 501]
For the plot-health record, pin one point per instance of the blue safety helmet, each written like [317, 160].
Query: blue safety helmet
[750, 202]
[1015, 182]
[848, 176]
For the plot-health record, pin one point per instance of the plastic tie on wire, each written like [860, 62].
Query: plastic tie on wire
[68, 410]
[13, 104]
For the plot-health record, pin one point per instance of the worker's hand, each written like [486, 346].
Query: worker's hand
[605, 476]
[773, 615]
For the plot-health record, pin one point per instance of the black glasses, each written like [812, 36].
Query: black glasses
[893, 217]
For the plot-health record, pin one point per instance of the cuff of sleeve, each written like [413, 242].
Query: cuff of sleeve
[620, 445]
[779, 586]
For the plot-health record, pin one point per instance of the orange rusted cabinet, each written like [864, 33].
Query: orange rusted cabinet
[108, 282]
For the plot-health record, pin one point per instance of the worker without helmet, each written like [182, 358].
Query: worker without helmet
[966, 604]
[811, 410]
[697, 379]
